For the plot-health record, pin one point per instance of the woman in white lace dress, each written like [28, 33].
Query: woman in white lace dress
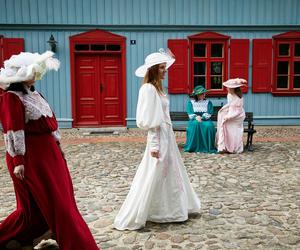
[160, 191]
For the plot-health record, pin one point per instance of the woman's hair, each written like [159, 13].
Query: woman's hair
[196, 98]
[238, 92]
[152, 76]
[19, 86]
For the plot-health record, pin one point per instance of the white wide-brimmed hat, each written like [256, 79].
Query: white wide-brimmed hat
[154, 59]
[27, 66]
[235, 83]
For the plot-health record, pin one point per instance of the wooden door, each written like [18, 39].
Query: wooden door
[111, 90]
[87, 91]
[98, 91]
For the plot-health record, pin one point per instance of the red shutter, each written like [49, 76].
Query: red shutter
[178, 72]
[9, 47]
[262, 65]
[239, 60]
[12, 46]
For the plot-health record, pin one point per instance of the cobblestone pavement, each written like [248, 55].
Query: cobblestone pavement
[249, 201]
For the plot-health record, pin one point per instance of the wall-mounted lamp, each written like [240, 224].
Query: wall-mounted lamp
[52, 43]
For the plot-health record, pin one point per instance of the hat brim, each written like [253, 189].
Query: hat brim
[142, 70]
[200, 93]
[235, 83]
[233, 86]
[29, 66]
[5, 82]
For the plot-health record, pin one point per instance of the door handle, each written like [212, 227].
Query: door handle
[101, 87]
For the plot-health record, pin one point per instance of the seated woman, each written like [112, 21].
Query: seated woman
[201, 132]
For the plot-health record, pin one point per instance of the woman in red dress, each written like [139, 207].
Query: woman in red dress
[42, 183]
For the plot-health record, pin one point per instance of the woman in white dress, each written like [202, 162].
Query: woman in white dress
[160, 191]
[231, 117]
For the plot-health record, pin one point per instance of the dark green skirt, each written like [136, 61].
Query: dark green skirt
[200, 137]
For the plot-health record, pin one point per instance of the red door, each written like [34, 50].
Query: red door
[98, 90]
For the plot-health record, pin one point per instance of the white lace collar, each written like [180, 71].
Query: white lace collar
[200, 105]
[35, 105]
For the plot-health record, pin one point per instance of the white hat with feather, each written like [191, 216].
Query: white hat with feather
[27, 66]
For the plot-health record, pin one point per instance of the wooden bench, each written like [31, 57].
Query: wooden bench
[249, 129]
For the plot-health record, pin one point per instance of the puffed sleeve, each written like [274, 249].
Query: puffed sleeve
[190, 110]
[13, 123]
[210, 110]
[149, 112]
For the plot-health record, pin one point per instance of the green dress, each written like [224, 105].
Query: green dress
[200, 136]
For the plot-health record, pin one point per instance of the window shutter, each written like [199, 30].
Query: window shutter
[239, 60]
[178, 72]
[12, 46]
[262, 65]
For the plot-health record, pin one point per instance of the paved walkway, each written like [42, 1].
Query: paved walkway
[249, 201]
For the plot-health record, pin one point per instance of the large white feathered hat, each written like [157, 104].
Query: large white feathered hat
[27, 66]
[154, 59]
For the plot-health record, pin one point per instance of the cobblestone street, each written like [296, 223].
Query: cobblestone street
[249, 201]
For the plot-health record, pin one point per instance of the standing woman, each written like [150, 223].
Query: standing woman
[231, 116]
[201, 132]
[42, 183]
[160, 191]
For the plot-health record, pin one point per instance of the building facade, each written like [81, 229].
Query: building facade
[100, 43]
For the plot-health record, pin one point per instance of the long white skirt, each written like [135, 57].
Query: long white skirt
[160, 191]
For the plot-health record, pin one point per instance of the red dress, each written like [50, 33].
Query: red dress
[45, 198]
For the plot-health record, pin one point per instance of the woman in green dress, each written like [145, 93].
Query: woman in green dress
[201, 132]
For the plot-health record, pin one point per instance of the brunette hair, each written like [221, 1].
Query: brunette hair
[19, 86]
[238, 92]
[152, 76]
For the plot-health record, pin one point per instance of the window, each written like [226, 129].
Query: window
[203, 59]
[286, 66]
[208, 60]
[276, 64]
[98, 47]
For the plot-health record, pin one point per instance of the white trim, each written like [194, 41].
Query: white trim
[64, 119]
[15, 142]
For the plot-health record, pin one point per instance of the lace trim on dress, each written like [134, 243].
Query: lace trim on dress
[35, 105]
[206, 115]
[15, 142]
[199, 106]
[56, 135]
[192, 116]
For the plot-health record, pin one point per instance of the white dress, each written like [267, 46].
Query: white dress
[160, 191]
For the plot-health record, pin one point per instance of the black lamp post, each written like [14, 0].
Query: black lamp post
[52, 43]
